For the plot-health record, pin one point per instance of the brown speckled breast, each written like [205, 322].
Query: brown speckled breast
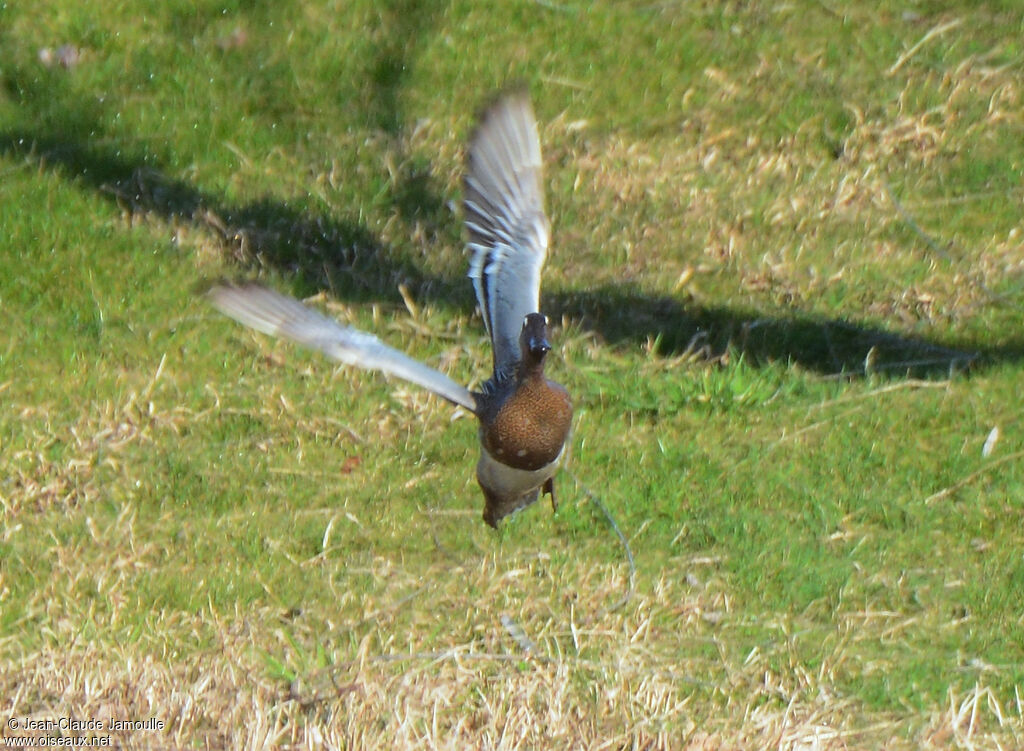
[528, 429]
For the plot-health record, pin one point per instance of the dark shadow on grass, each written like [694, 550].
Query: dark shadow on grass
[823, 345]
[320, 251]
[346, 257]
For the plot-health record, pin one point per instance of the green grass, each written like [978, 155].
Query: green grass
[787, 273]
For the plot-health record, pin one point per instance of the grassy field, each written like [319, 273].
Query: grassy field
[787, 274]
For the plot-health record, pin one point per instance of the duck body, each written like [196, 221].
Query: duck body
[524, 423]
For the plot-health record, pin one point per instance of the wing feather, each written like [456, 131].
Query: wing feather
[505, 220]
[279, 315]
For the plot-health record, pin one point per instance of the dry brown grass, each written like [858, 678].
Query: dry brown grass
[709, 181]
[616, 682]
[40, 478]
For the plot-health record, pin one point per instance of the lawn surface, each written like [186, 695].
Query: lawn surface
[786, 279]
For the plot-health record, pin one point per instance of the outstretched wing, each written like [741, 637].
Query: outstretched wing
[508, 230]
[278, 315]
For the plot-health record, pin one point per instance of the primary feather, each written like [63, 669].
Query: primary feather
[278, 315]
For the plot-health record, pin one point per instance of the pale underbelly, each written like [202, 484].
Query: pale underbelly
[508, 481]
